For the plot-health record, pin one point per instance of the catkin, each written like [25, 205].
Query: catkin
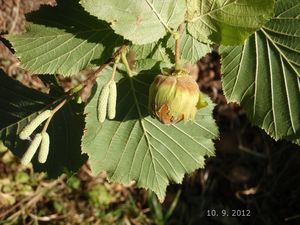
[112, 100]
[44, 148]
[31, 149]
[27, 131]
[102, 103]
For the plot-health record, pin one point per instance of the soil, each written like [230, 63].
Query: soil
[12, 16]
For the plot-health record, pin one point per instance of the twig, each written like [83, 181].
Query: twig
[48, 217]
[117, 60]
[58, 107]
[14, 22]
[177, 48]
[249, 151]
[29, 200]
[125, 62]
[292, 218]
[94, 74]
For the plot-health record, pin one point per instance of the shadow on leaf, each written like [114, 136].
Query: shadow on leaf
[70, 17]
[19, 105]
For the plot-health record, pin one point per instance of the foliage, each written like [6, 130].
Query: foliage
[264, 73]
[227, 22]
[261, 71]
[65, 43]
[135, 146]
[19, 105]
[132, 19]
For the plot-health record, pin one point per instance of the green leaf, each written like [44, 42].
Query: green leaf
[190, 48]
[135, 146]
[141, 22]
[263, 74]
[63, 39]
[19, 105]
[227, 22]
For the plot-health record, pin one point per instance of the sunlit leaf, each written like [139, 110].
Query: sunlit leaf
[135, 146]
[142, 21]
[63, 39]
[227, 22]
[263, 74]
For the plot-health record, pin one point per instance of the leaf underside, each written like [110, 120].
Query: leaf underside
[19, 105]
[135, 146]
[142, 21]
[227, 22]
[63, 39]
[263, 74]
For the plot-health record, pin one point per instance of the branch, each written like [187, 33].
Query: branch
[58, 107]
[93, 75]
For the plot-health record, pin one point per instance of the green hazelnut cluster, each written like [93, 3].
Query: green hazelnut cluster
[175, 96]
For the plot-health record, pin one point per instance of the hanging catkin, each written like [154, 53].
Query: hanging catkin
[31, 149]
[112, 100]
[44, 148]
[28, 130]
[102, 103]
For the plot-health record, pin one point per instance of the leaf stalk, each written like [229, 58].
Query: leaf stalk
[125, 62]
[177, 48]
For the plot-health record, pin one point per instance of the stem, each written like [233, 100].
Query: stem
[58, 107]
[177, 48]
[117, 60]
[177, 54]
[76, 89]
[69, 95]
[125, 62]
[94, 74]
